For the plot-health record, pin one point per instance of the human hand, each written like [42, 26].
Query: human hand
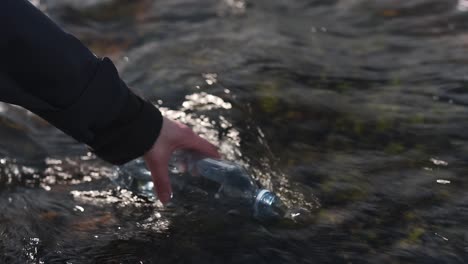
[173, 136]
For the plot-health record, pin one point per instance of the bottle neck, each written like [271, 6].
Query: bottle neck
[264, 205]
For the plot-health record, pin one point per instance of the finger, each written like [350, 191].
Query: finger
[202, 146]
[159, 172]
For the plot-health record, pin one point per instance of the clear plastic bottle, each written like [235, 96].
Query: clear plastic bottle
[135, 177]
[235, 184]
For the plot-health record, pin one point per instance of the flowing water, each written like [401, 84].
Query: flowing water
[355, 110]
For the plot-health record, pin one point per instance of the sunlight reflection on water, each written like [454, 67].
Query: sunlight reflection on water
[462, 5]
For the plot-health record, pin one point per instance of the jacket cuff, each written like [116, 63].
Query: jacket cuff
[131, 135]
[131, 129]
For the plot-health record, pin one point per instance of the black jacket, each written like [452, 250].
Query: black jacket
[52, 74]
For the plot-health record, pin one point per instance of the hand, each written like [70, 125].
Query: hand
[173, 136]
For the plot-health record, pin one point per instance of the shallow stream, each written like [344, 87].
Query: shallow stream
[353, 109]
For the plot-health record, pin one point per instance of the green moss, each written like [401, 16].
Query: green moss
[343, 193]
[417, 119]
[294, 115]
[291, 162]
[341, 124]
[268, 99]
[343, 87]
[358, 127]
[395, 148]
[415, 234]
[395, 81]
[370, 236]
[269, 104]
[409, 216]
[444, 194]
[383, 125]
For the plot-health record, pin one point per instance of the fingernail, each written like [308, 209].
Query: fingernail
[165, 197]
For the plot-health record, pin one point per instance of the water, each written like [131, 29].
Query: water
[353, 109]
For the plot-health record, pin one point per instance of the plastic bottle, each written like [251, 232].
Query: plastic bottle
[235, 184]
[135, 177]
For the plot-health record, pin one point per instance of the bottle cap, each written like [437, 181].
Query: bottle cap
[266, 205]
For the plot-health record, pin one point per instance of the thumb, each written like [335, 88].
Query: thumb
[158, 165]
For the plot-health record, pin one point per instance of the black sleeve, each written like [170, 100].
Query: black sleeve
[51, 73]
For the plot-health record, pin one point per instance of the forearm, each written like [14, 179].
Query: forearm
[44, 60]
[53, 74]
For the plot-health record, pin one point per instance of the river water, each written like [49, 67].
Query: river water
[354, 110]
